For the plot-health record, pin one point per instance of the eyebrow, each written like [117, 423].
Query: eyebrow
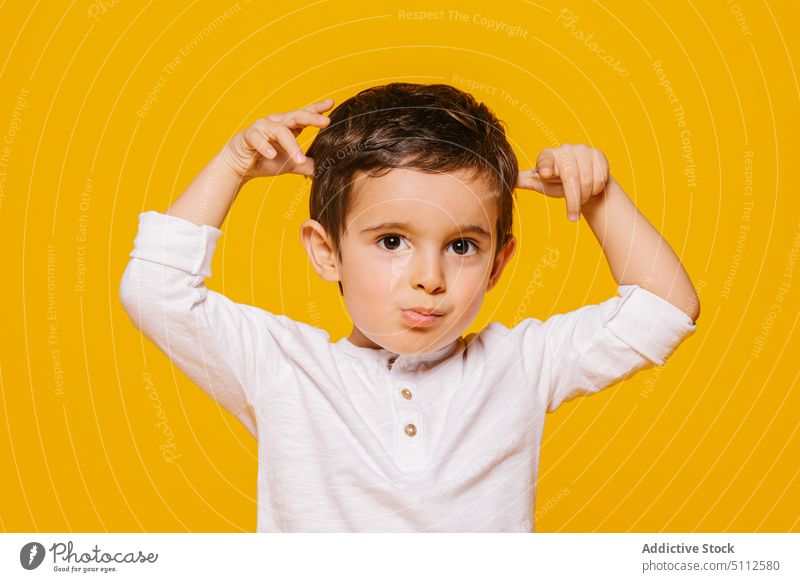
[464, 228]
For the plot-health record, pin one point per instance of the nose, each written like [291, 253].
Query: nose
[427, 272]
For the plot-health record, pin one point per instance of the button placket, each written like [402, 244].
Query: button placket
[409, 424]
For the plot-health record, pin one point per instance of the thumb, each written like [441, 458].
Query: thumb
[306, 168]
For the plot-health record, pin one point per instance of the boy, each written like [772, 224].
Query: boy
[404, 425]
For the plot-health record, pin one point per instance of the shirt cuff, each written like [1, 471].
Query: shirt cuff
[648, 323]
[175, 242]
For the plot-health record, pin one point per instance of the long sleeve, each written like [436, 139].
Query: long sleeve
[596, 346]
[222, 346]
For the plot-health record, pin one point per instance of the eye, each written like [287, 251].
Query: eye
[462, 245]
[392, 241]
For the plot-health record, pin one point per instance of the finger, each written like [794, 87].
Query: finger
[585, 162]
[256, 138]
[546, 163]
[315, 108]
[300, 118]
[284, 137]
[571, 181]
[529, 180]
[598, 182]
[320, 106]
[306, 168]
[289, 144]
[603, 167]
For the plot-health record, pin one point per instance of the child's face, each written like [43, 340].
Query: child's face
[430, 258]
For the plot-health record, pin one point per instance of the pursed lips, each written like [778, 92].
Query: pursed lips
[424, 310]
[419, 318]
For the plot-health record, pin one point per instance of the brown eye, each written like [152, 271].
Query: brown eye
[462, 246]
[392, 240]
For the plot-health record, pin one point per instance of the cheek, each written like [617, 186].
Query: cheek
[381, 274]
[468, 287]
[367, 282]
[468, 276]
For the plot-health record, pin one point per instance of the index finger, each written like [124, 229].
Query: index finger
[315, 109]
[320, 106]
[529, 180]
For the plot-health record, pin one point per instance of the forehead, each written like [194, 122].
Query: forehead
[431, 201]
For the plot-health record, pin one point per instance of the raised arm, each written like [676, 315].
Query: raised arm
[208, 199]
[596, 346]
[636, 253]
[228, 349]
[267, 148]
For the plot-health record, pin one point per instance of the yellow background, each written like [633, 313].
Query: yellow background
[706, 443]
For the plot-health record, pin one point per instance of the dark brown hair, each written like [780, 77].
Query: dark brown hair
[433, 128]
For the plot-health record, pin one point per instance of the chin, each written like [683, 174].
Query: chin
[410, 341]
[419, 342]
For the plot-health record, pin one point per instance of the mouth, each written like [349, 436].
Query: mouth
[421, 317]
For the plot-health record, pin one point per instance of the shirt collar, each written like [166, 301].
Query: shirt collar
[384, 357]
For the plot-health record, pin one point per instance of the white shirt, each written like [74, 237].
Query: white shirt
[337, 449]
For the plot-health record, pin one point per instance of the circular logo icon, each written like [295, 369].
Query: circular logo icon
[31, 555]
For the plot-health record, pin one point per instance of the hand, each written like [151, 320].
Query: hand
[575, 172]
[269, 147]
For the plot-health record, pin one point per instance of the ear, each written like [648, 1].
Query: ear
[320, 250]
[500, 262]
